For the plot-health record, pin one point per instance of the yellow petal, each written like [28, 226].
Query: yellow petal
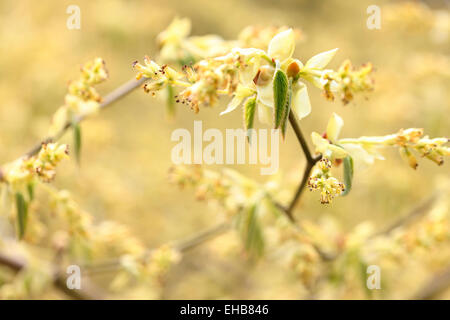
[319, 143]
[360, 156]
[336, 152]
[264, 114]
[248, 73]
[300, 101]
[234, 103]
[334, 127]
[320, 61]
[265, 94]
[282, 46]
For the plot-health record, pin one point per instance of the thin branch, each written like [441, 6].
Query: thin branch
[435, 286]
[182, 246]
[109, 99]
[300, 137]
[416, 212]
[310, 162]
[202, 237]
[300, 187]
[59, 281]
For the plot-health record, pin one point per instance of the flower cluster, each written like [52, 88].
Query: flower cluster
[82, 98]
[209, 185]
[47, 159]
[24, 170]
[365, 150]
[407, 140]
[150, 269]
[322, 180]
[75, 223]
[414, 16]
[347, 81]
[161, 260]
[272, 77]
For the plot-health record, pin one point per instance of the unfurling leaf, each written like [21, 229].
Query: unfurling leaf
[249, 114]
[22, 214]
[287, 111]
[251, 231]
[348, 174]
[280, 95]
[77, 140]
[30, 189]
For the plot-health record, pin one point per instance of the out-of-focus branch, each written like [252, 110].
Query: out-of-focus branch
[416, 212]
[181, 246]
[112, 97]
[202, 237]
[434, 287]
[59, 281]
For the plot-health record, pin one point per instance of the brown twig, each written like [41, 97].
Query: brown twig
[435, 286]
[300, 137]
[310, 162]
[413, 214]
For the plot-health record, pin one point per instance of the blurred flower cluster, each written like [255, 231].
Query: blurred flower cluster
[24, 171]
[82, 99]
[347, 81]
[417, 16]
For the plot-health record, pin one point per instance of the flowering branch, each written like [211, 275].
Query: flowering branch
[181, 246]
[271, 82]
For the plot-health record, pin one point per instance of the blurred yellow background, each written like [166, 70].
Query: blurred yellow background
[127, 148]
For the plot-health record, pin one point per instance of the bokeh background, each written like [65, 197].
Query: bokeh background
[127, 148]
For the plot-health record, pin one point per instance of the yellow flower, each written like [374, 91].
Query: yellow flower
[322, 180]
[282, 46]
[240, 94]
[326, 145]
[280, 51]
